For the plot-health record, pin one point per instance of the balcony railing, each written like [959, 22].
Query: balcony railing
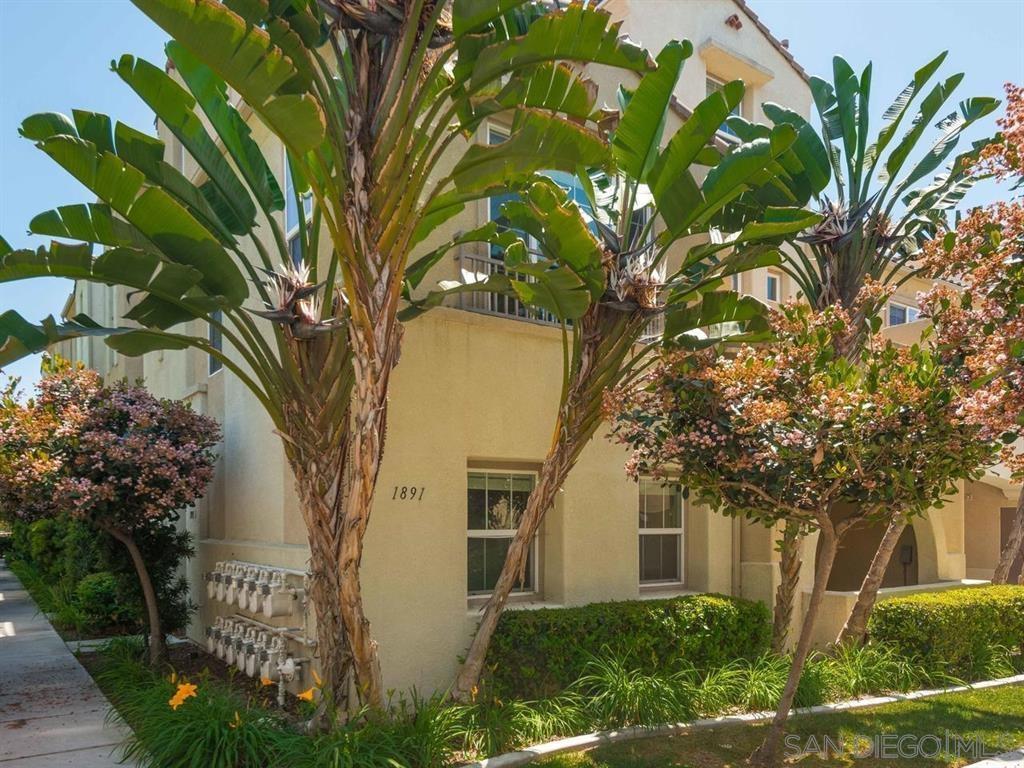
[475, 268]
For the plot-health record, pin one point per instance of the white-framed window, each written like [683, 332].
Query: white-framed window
[713, 85]
[899, 314]
[773, 286]
[661, 532]
[291, 213]
[216, 341]
[496, 501]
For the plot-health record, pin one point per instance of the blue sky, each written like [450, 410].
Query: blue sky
[55, 55]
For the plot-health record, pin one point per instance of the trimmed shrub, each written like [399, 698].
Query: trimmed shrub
[57, 555]
[539, 653]
[98, 597]
[45, 545]
[955, 629]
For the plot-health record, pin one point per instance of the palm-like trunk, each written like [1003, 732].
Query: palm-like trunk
[785, 595]
[605, 338]
[318, 483]
[1014, 546]
[375, 341]
[157, 642]
[856, 628]
[767, 754]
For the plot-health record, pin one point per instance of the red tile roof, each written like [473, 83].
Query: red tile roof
[772, 38]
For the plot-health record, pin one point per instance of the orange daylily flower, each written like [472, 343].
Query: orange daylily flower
[185, 691]
[307, 695]
[266, 681]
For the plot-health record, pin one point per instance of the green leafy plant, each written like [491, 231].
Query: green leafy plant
[792, 430]
[98, 597]
[954, 628]
[44, 545]
[762, 681]
[215, 727]
[854, 670]
[540, 653]
[617, 693]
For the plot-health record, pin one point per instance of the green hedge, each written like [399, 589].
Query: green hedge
[952, 628]
[537, 653]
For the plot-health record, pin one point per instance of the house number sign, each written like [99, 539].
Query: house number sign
[408, 493]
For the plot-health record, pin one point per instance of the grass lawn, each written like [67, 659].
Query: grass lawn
[993, 718]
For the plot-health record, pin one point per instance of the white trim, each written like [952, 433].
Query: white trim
[503, 533]
[289, 234]
[679, 533]
[720, 131]
[908, 309]
[769, 274]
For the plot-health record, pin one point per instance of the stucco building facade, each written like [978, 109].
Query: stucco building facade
[472, 407]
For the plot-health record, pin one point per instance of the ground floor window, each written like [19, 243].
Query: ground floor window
[661, 532]
[496, 502]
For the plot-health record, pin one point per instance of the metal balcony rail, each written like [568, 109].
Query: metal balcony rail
[475, 268]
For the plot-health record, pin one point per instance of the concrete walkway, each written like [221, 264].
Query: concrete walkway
[51, 712]
[1005, 760]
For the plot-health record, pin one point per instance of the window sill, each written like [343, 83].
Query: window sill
[475, 606]
[660, 591]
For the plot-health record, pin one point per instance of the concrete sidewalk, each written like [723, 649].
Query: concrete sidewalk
[51, 712]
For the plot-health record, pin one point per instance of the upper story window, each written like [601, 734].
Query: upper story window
[661, 533]
[216, 341]
[495, 505]
[291, 213]
[899, 314]
[773, 286]
[736, 282]
[569, 183]
[714, 85]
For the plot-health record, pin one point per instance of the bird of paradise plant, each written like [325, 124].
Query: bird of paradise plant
[366, 97]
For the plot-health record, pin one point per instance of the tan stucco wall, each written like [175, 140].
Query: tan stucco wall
[982, 540]
[470, 390]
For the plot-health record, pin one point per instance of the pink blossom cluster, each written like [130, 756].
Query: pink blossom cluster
[789, 425]
[112, 454]
[980, 325]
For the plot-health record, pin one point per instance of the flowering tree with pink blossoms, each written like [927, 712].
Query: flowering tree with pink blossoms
[34, 438]
[795, 432]
[980, 323]
[114, 456]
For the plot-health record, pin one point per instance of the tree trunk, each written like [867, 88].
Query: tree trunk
[789, 567]
[1014, 545]
[856, 628]
[334, 445]
[552, 475]
[157, 643]
[767, 754]
[374, 357]
[606, 337]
